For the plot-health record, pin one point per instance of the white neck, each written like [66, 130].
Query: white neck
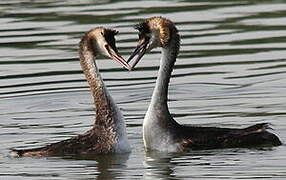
[160, 94]
[158, 120]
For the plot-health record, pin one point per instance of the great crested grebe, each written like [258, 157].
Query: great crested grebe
[108, 134]
[160, 131]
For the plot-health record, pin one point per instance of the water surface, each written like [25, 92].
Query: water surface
[230, 73]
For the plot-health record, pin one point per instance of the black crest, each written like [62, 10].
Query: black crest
[142, 27]
[109, 36]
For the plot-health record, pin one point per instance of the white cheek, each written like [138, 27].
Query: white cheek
[100, 48]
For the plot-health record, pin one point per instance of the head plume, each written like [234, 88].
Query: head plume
[164, 27]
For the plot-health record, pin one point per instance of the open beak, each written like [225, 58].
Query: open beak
[116, 57]
[140, 50]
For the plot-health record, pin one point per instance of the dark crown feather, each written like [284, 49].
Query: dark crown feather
[142, 27]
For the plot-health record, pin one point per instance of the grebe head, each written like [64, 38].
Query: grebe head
[103, 43]
[153, 32]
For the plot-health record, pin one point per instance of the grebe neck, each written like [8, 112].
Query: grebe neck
[102, 100]
[169, 55]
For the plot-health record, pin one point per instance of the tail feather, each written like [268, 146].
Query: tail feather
[258, 127]
[27, 152]
[257, 135]
[264, 138]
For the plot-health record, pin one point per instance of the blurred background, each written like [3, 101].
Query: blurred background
[231, 72]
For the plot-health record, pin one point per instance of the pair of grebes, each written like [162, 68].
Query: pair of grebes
[160, 131]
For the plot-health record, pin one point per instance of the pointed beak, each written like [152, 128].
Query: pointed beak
[116, 57]
[140, 50]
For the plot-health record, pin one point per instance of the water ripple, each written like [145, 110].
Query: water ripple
[230, 73]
